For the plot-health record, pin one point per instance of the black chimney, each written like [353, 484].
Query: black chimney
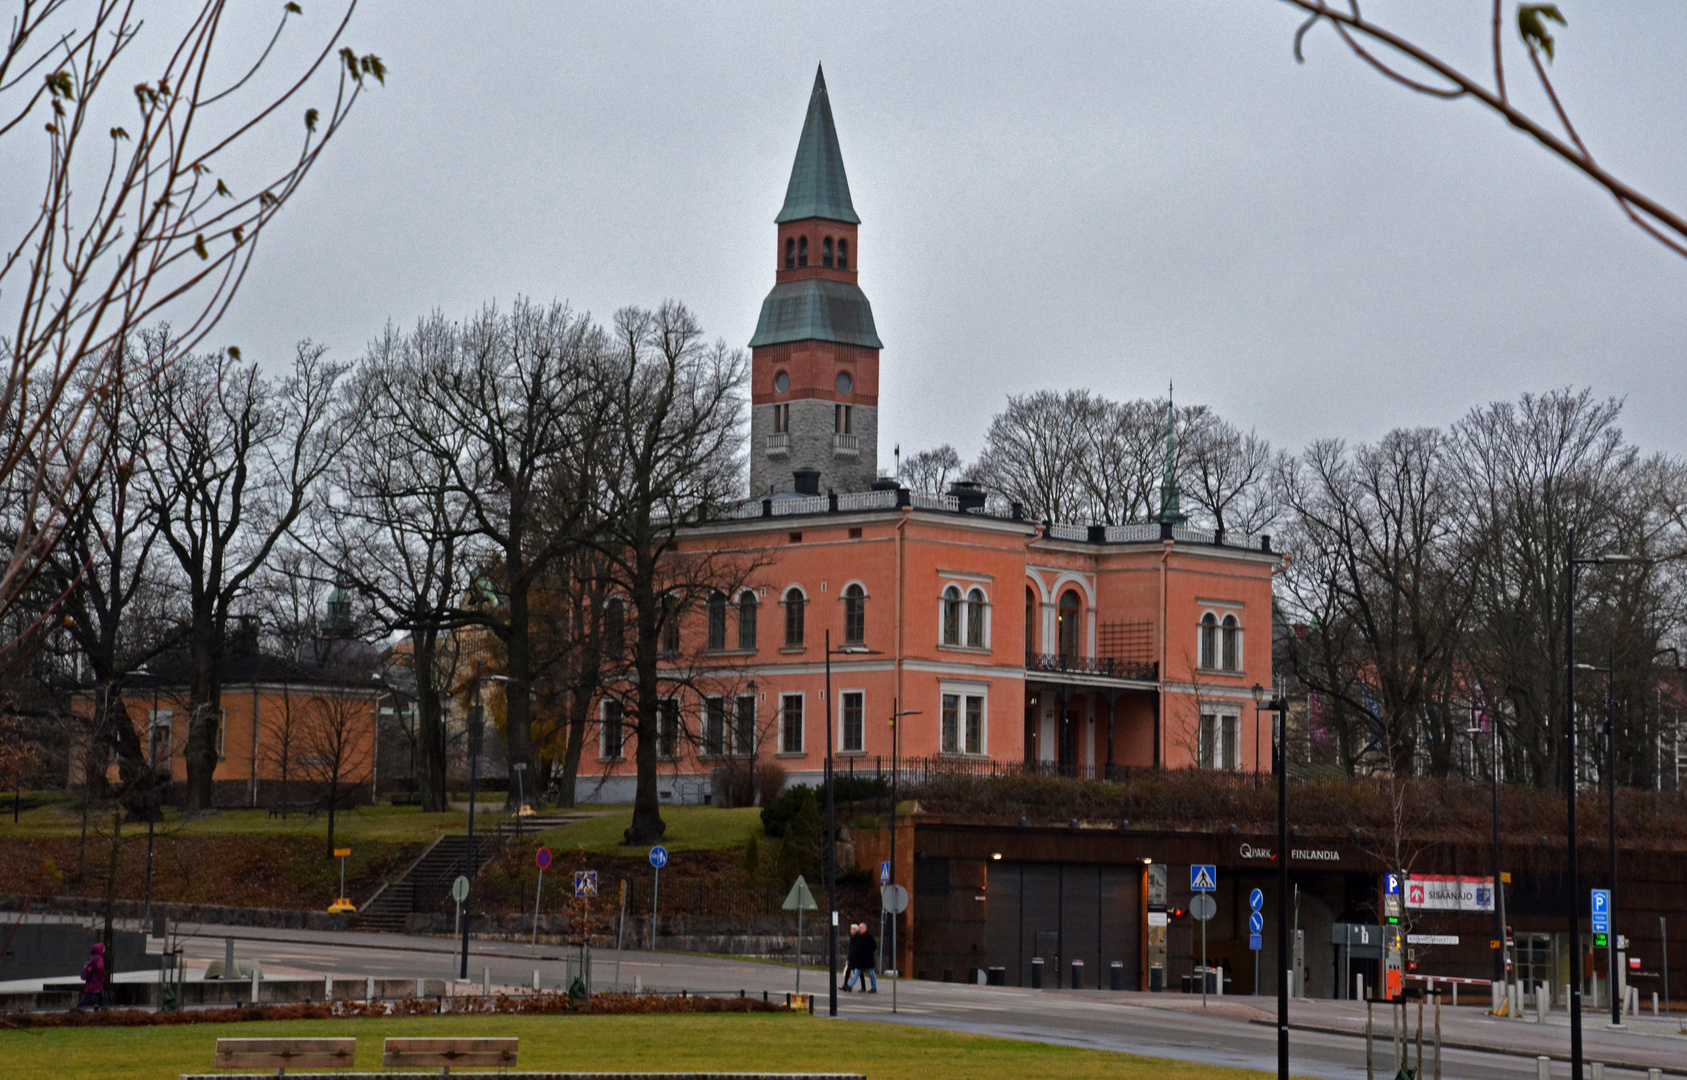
[807, 481]
[970, 495]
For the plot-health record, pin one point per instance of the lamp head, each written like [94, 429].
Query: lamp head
[1259, 694]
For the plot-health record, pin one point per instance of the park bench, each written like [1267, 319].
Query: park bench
[446, 1054]
[284, 1054]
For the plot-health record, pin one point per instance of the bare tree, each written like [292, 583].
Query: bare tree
[930, 471]
[1123, 453]
[237, 459]
[669, 459]
[133, 223]
[1230, 475]
[1033, 454]
[1376, 526]
[337, 747]
[397, 523]
[1416, 68]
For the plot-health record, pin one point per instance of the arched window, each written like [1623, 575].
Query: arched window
[802, 251]
[1030, 622]
[790, 254]
[1070, 606]
[855, 615]
[843, 254]
[1230, 638]
[615, 629]
[794, 602]
[747, 619]
[1209, 641]
[975, 618]
[717, 621]
[951, 616]
[826, 252]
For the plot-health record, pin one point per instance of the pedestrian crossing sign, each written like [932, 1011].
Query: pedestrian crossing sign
[1203, 877]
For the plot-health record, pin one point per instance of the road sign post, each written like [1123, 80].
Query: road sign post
[541, 858]
[800, 899]
[658, 859]
[1203, 907]
[459, 893]
[1256, 930]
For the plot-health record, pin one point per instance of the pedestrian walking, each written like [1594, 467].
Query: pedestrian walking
[851, 953]
[867, 963]
[93, 979]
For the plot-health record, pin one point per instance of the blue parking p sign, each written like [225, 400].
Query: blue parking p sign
[1601, 911]
[1203, 877]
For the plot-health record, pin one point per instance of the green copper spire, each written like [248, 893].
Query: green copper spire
[818, 188]
[1170, 512]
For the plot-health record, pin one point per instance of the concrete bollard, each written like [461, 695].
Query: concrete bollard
[486, 980]
[1654, 1074]
[1455, 995]
[535, 979]
[638, 984]
[327, 988]
[369, 988]
[1598, 1070]
[421, 988]
[1543, 1067]
[254, 986]
[1654, 1003]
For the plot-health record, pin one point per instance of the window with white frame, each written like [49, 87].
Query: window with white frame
[611, 730]
[855, 614]
[1209, 641]
[852, 728]
[790, 724]
[977, 610]
[794, 604]
[744, 726]
[1220, 738]
[1230, 644]
[961, 725]
[714, 726]
[747, 619]
[952, 604]
[667, 728]
[717, 622]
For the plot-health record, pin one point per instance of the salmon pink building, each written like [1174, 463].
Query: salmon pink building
[1003, 643]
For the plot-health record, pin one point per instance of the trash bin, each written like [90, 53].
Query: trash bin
[1188, 984]
[998, 976]
[1077, 974]
[1117, 972]
[1156, 978]
[1036, 973]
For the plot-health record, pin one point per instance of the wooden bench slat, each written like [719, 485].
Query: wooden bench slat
[452, 1053]
[286, 1053]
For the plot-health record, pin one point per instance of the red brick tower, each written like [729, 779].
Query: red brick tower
[814, 383]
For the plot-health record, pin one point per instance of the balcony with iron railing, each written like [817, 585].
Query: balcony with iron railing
[1111, 667]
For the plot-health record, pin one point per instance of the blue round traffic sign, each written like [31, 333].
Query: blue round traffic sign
[1256, 923]
[542, 858]
[1256, 900]
[658, 856]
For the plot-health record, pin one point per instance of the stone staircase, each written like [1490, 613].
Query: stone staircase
[426, 884]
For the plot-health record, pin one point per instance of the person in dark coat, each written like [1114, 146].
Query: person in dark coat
[867, 959]
[851, 953]
[93, 979]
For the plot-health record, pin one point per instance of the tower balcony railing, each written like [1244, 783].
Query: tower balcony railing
[845, 445]
[779, 445]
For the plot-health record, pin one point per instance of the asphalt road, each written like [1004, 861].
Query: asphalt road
[1325, 1039]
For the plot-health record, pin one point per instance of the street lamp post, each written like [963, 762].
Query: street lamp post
[1573, 910]
[1280, 765]
[477, 722]
[897, 712]
[1500, 957]
[832, 826]
[1610, 673]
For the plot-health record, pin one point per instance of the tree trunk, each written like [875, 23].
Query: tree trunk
[648, 826]
[518, 692]
[204, 703]
[430, 725]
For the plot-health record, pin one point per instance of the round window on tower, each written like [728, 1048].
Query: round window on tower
[845, 383]
[781, 382]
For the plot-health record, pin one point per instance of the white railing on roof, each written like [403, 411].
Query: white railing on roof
[1069, 532]
[868, 500]
[921, 501]
[1140, 533]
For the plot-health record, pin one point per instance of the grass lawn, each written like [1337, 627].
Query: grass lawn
[609, 1044]
[690, 828]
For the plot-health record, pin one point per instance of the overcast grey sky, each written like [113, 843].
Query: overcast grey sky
[1108, 195]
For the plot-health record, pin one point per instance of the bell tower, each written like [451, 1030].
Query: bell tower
[814, 359]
